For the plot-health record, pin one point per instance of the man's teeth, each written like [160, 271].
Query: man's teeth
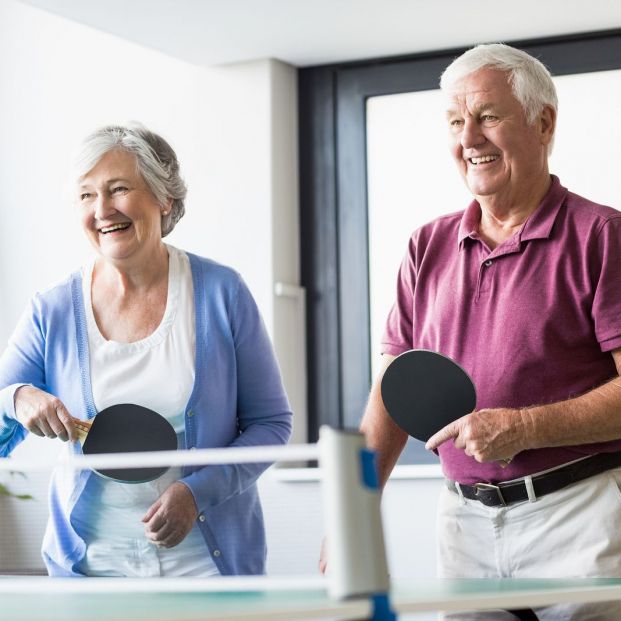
[114, 227]
[483, 158]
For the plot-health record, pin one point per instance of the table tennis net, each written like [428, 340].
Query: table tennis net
[290, 495]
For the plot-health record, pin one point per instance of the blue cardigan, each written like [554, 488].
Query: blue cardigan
[237, 400]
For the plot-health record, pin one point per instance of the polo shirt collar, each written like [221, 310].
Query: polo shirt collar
[469, 222]
[538, 225]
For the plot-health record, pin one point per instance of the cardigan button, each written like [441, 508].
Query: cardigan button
[201, 518]
[216, 553]
[190, 413]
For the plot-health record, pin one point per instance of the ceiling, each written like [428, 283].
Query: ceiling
[310, 32]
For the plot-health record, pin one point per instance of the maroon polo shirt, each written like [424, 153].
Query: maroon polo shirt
[532, 321]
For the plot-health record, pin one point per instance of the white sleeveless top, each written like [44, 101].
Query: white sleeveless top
[158, 373]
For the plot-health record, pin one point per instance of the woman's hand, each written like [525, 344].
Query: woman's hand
[171, 517]
[323, 557]
[43, 414]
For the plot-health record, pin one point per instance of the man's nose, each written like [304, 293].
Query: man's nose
[471, 135]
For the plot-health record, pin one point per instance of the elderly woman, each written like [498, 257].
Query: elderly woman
[149, 324]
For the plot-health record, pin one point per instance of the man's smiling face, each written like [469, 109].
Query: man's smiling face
[497, 151]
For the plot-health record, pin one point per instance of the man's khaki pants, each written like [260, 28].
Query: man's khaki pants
[572, 533]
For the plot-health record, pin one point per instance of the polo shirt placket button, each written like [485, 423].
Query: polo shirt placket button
[483, 276]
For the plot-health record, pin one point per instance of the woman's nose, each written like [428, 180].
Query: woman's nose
[103, 207]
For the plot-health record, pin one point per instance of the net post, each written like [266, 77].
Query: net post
[357, 564]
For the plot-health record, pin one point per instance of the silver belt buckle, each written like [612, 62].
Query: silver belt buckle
[490, 487]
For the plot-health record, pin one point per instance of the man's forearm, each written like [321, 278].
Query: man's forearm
[592, 417]
[381, 432]
[501, 433]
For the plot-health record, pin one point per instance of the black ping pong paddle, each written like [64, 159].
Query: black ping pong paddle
[127, 428]
[423, 391]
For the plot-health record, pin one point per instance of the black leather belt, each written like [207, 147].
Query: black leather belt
[503, 494]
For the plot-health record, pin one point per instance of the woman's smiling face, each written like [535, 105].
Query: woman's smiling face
[120, 215]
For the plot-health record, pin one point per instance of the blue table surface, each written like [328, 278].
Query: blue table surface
[43, 605]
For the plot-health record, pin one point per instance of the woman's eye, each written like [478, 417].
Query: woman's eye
[456, 123]
[84, 196]
[119, 189]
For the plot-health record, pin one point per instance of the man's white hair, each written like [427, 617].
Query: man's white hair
[529, 79]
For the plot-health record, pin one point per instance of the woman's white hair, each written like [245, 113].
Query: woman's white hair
[529, 79]
[156, 162]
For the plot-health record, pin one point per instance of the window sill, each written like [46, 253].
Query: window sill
[313, 475]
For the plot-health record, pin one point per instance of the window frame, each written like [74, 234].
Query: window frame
[333, 203]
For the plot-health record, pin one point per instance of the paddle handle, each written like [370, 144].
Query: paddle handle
[83, 427]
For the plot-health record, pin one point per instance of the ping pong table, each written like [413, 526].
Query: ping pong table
[116, 599]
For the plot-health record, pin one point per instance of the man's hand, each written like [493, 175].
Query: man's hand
[43, 414]
[171, 517]
[487, 435]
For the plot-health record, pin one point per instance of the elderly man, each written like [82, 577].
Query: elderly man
[523, 290]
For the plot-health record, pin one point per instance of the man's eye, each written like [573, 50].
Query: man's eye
[456, 123]
[489, 118]
[84, 196]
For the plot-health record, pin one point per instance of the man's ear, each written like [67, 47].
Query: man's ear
[547, 124]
